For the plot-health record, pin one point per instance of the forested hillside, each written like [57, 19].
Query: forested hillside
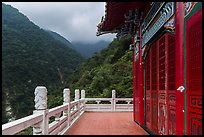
[88, 50]
[31, 57]
[109, 69]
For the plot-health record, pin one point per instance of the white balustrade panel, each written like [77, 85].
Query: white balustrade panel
[16, 126]
[114, 106]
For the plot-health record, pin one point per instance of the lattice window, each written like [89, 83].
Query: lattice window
[136, 80]
[148, 72]
[162, 63]
[154, 66]
[195, 57]
[171, 62]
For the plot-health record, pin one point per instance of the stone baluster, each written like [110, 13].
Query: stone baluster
[57, 120]
[77, 98]
[83, 93]
[83, 97]
[113, 100]
[41, 128]
[128, 102]
[66, 95]
[98, 102]
[76, 94]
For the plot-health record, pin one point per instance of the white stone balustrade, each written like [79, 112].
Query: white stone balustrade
[113, 100]
[113, 106]
[66, 95]
[70, 111]
[41, 107]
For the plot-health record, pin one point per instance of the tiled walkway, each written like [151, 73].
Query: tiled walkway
[106, 123]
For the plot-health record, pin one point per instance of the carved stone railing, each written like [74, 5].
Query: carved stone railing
[109, 104]
[65, 115]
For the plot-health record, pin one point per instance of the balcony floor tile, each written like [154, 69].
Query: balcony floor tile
[106, 123]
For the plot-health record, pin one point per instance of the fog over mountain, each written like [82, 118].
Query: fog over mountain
[76, 21]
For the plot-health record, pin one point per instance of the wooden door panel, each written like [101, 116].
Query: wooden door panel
[160, 85]
[194, 73]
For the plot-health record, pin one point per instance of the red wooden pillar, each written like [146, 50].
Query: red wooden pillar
[133, 77]
[141, 82]
[179, 49]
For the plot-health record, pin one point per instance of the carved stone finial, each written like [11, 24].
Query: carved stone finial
[82, 93]
[76, 94]
[66, 95]
[40, 98]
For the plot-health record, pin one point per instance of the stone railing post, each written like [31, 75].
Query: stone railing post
[128, 102]
[83, 97]
[113, 100]
[98, 104]
[76, 94]
[82, 93]
[77, 98]
[41, 128]
[66, 95]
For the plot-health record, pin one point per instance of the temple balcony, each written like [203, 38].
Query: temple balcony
[83, 116]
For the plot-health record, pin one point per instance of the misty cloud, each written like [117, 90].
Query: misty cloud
[76, 21]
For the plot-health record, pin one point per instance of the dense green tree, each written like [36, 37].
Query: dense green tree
[109, 69]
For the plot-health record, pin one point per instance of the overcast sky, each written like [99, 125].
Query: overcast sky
[76, 21]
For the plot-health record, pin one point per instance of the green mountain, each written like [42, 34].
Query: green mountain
[88, 50]
[31, 57]
[109, 69]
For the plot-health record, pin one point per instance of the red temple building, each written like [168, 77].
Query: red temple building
[167, 62]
